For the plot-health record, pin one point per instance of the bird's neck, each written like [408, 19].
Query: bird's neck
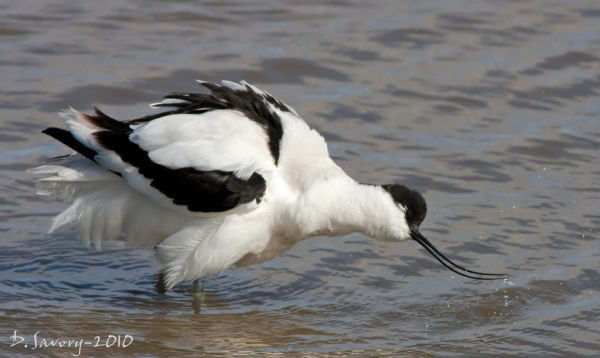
[339, 206]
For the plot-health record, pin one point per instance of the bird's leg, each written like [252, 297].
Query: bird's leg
[197, 286]
[198, 295]
[160, 283]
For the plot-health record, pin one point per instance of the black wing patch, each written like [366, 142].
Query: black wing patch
[199, 191]
[256, 106]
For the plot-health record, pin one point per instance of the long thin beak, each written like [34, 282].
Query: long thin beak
[422, 240]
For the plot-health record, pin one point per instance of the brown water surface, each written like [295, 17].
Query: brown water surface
[492, 110]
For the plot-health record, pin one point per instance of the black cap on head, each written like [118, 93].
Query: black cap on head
[412, 200]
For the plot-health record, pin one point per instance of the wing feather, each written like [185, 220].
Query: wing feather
[211, 152]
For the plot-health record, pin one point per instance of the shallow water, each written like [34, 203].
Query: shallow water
[491, 110]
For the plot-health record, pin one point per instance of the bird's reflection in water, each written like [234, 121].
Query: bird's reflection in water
[197, 295]
[197, 300]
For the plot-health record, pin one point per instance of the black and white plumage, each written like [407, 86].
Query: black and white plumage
[230, 177]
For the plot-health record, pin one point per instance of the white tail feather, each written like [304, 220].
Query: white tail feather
[103, 206]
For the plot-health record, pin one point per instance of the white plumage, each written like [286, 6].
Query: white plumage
[231, 177]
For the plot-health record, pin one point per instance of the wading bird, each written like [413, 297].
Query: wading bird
[230, 177]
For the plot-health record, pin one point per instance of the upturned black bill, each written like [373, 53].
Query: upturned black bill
[422, 240]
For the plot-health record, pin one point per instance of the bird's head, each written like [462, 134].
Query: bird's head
[411, 201]
[414, 209]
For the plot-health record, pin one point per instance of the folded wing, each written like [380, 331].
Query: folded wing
[209, 158]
